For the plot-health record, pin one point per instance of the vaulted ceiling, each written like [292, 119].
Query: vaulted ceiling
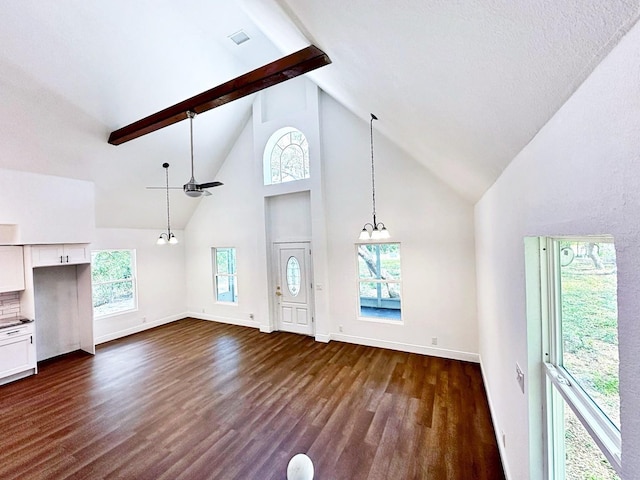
[461, 86]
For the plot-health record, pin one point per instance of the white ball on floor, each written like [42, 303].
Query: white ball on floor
[300, 468]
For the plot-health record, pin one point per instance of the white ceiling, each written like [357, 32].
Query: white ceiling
[462, 86]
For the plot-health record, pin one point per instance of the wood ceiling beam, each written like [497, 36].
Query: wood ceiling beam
[278, 71]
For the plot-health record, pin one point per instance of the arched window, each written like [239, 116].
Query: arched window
[286, 157]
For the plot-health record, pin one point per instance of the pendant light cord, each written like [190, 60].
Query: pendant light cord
[373, 173]
[166, 172]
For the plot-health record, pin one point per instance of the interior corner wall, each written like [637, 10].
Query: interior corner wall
[160, 281]
[432, 223]
[580, 175]
[229, 218]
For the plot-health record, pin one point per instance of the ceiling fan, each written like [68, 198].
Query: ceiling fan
[193, 188]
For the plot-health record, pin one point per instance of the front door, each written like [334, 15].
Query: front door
[294, 299]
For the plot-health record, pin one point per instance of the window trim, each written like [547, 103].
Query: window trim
[133, 280]
[230, 276]
[557, 379]
[399, 321]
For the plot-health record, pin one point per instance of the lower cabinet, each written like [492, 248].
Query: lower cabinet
[17, 352]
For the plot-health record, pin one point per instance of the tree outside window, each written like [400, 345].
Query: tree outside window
[379, 281]
[113, 282]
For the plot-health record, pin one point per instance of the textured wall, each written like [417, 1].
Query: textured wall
[579, 175]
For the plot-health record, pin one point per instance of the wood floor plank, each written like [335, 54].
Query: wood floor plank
[202, 400]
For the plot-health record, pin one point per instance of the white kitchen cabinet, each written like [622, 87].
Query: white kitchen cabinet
[64, 254]
[11, 269]
[17, 352]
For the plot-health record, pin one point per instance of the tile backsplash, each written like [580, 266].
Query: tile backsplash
[9, 305]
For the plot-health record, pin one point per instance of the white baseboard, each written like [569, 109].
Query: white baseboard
[138, 328]
[266, 329]
[496, 429]
[408, 347]
[229, 320]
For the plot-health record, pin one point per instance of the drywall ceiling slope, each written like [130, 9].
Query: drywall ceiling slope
[72, 71]
[462, 86]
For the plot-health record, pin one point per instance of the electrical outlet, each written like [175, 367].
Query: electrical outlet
[251, 316]
[434, 340]
[144, 319]
[340, 328]
[520, 377]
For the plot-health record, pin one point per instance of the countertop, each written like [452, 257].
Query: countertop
[13, 322]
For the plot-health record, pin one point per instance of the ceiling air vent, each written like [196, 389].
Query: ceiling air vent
[239, 37]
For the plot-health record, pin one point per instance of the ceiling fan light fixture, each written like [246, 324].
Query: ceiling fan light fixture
[161, 240]
[172, 239]
[192, 190]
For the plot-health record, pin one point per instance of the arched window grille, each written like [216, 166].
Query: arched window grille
[286, 157]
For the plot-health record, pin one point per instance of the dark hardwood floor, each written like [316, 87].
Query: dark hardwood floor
[202, 400]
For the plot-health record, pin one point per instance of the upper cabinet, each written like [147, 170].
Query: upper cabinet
[11, 269]
[56, 255]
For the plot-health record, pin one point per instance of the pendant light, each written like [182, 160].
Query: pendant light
[168, 236]
[375, 230]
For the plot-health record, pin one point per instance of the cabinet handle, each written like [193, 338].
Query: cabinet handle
[67, 258]
[31, 338]
[61, 259]
[13, 333]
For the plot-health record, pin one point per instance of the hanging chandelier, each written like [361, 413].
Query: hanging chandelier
[168, 236]
[375, 230]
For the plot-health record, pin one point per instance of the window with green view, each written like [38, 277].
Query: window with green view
[113, 282]
[225, 275]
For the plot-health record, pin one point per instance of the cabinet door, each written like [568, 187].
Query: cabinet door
[76, 253]
[47, 255]
[11, 269]
[16, 355]
[68, 254]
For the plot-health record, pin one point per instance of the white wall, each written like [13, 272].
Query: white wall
[161, 281]
[46, 209]
[579, 175]
[228, 219]
[432, 223]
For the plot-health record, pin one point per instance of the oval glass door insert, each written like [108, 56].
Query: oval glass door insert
[293, 276]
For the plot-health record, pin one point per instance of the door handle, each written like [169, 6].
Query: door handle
[278, 293]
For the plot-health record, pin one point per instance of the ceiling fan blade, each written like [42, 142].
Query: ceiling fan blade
[206, 193]
[210, 184]
[163, 188]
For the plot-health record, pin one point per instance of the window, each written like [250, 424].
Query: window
[225, 276]
[581, 358]
[113, 282]
[286, 157]
[379, 294]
